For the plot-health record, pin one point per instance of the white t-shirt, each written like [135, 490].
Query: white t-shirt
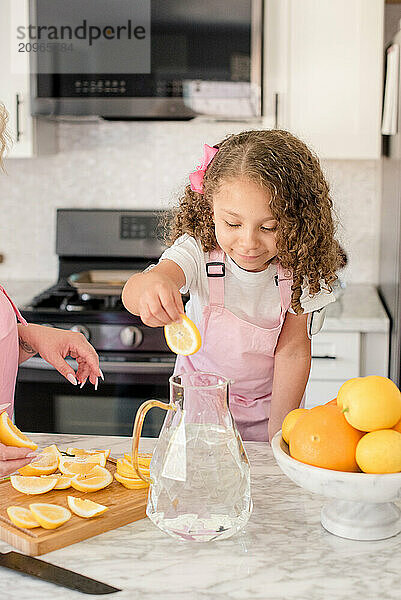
[251, 296]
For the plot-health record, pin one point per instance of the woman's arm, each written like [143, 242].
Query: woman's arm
[292, 361]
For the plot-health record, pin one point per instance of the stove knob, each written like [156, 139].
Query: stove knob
[81, 329]
[131, 337]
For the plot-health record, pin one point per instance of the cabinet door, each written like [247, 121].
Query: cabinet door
[14, 77]
[324, 60]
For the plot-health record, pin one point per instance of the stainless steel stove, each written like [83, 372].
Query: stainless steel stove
[97, 250]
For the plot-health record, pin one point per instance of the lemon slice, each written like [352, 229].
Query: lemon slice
[22, 517]
[85, 508]
[44, 464]
[50, 516]
[82, 452]
[130, 482]
[80, 465]
[63, 481]
[10, 435]
[143, 459]
[53, 450]
[97, 479]
[125, 468]
[33, 485]
[183, 338]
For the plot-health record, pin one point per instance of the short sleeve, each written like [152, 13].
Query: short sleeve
[316, 302]
[187, 253]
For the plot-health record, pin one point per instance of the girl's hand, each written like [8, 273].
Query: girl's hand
[54, 345]
[160, 303]
[12, 459]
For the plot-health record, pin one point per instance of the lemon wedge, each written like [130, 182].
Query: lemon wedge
[83, 452]
[50, 516]
[33, 485]
[97, 479]
[183, 338]
[22, 517]
[10, 435]
[85, 508]
[43, 464]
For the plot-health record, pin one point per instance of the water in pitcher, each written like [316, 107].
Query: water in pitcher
[201, 482]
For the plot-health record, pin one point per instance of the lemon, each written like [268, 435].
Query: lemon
[63, 481]
[53, 450]
[33, 485]
[50, 516]
[379, 452]
[130, 482]
[81, 465]
[85, 508]
[22, 517]
[144, 459]
[370, 403]
[183, 338]
[44, 464]
[10, 435]
[125, 468]
[97, 479]
[83, 452]
[290, 421]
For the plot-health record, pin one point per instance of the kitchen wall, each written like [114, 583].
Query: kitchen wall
[145, 165]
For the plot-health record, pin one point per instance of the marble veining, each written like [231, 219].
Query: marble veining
[284, 553]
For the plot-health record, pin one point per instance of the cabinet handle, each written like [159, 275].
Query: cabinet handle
[325, 357]
[276, 110]
[18, 103]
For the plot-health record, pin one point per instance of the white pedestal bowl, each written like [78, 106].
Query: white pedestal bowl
[363, 504]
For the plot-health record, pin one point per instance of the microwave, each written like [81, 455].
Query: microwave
[202, 58]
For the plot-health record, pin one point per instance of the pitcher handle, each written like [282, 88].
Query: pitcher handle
[137, 430]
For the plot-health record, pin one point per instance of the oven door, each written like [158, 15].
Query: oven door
[46, 402]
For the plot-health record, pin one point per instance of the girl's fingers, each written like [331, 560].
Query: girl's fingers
[169, 305]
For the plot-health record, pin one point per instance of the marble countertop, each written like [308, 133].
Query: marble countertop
[284, 553]
[358, 309]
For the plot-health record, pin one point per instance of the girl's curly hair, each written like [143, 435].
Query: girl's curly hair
[299, 200]
[4, 136]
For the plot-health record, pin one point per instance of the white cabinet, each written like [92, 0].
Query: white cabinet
[323, 74]
[30, 136]
[341, 355]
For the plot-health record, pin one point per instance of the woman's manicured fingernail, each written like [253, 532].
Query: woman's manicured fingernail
[96, 384]
[82, 384]
[101, 374]
[72, 379]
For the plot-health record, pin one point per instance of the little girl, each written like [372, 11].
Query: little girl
[253, 244]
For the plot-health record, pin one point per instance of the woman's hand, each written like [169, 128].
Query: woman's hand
[12, 459]
[54, 345]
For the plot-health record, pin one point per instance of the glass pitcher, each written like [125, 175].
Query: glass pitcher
[199, 473]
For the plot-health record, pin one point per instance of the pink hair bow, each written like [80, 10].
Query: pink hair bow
[196, 178]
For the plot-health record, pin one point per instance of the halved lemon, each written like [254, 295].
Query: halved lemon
[22, 517]
[10, 435]
[33, 485]
[125, 468]
[85, 508]
[50, 516]
[79, 465]
[83, 452]
[43, 464]
[63, 481]
[97, 479]
[130, 482]
[183, 338]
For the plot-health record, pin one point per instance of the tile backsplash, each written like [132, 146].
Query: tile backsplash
[144, 165]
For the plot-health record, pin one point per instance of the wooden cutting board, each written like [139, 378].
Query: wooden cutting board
[125, 506]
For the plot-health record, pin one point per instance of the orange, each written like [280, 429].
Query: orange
[183, 337]
[324, 438]
[397, 426]
[370, 403]
[289, 422]
[10, 435]
[380, 452]
[332, 402]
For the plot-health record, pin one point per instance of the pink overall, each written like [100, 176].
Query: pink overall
[239, 351]
[9, 350]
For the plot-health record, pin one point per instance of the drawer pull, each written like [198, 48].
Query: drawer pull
[325, 357]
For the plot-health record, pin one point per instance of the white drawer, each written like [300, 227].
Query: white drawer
[335, 355]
